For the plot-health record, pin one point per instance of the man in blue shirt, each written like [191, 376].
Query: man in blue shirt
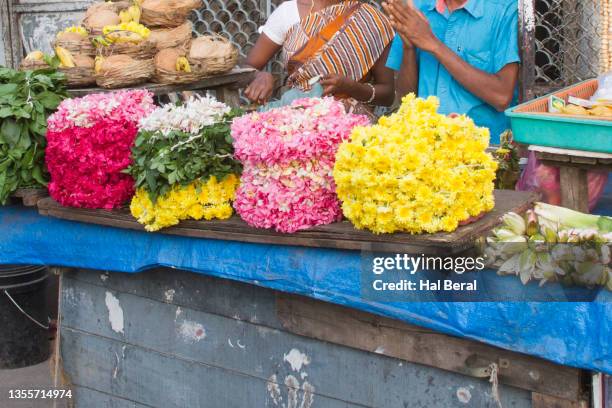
[464, 52]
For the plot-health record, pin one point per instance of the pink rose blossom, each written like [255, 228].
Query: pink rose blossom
[89, 143]
[288, 155]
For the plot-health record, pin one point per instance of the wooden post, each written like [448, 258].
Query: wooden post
[229, 96]
[574, 188]
[548, 401]
[526, 29]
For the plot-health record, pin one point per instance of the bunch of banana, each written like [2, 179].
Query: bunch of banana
[132, 13]
[182, 65]
[131, 32]
[35, 56]
[77, 30]
[65, 57]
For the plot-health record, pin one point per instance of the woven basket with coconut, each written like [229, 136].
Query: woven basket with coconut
[33, 61]
[167, 13]
[76, 40]
[129, 37]
[173, 67]
[118, 71]
[212, 54]
[78, 69]
[176, 37]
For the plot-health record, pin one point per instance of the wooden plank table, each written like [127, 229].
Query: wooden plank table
[30, 196]
[341, 235]
[573, 166]
[226, 85]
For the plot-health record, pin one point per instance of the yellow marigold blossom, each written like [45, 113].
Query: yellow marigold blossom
[415, 171]
[198, 200]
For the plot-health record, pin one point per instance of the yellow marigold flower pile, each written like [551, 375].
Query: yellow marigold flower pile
[415, 171]
[198, 200]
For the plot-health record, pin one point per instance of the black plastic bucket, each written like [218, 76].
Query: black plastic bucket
[23, 309]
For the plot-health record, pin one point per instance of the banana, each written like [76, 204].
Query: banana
[182, 64]
[76, 29]
[135, 12]
[126, 32]
[66, 60]
[124, 37]
[98, 64]
[35, 56]
[125, 16]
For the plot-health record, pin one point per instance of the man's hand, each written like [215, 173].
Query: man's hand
[334, 84]
[261, 88]
[411, 24]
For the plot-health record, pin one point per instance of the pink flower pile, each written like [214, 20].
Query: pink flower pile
[88, 145]
[288, 156]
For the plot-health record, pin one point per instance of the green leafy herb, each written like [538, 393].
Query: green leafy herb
[27, 98]
[160, 161]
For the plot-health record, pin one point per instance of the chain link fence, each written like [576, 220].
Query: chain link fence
[567, 42]
[567, 35]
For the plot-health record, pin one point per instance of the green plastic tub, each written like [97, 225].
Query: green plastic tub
[532, 125]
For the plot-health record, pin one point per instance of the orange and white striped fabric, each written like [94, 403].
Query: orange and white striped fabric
[352, 51]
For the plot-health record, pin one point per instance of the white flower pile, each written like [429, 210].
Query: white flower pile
[196, 113]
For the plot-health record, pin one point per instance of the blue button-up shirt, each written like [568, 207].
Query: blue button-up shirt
[485, 34]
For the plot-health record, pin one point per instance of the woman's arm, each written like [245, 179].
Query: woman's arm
[262, 86]
[383, 82]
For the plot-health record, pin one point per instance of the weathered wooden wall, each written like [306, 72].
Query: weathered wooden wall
[192, 341]
[167, 338]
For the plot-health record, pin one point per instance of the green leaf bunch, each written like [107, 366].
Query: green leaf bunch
[27, 98]
[162, 161]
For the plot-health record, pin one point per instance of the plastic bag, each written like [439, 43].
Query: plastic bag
[545, 179]
[291, 95]
[604, 90]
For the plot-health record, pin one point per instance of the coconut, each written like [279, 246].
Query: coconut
[101, 19]
[210, 47]
[83, 61]
[172, 37]
[166, 59]
[106, 6]
[98, 7]
[115, 61]
[162, 6]
[68, 36]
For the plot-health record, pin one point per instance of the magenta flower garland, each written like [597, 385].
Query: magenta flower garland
[288, 155]
[88, 145]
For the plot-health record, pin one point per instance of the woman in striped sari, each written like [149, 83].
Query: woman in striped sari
[342, 43]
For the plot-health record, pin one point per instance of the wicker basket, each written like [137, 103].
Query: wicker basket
[84, 47]
[79, 76]
[162, 76]
[218, 62]
[115, 6]
[138, 72]
[178, 37]
[33, 65]
[171, 17]
[144, 50]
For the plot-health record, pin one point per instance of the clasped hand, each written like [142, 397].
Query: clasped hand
[411, 24]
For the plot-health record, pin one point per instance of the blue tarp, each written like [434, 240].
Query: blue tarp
[575, 334]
